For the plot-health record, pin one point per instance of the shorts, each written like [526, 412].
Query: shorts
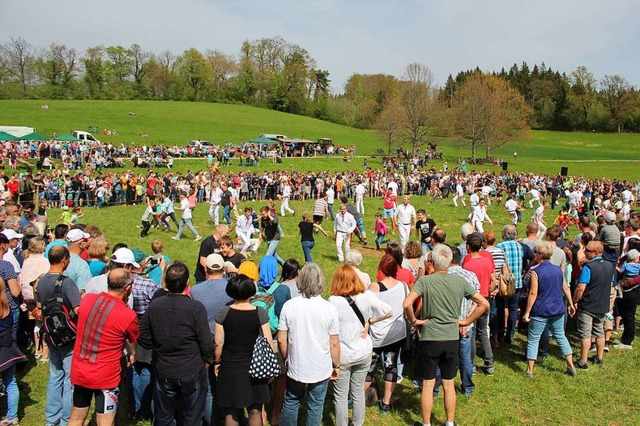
[388, 213]
[431, 355]
[590, 325]
[106, 399]
[318, 219]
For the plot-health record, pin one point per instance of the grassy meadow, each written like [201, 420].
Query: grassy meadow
[599, 396]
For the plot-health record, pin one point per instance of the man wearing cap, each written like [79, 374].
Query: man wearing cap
[591, 298]
[78, 270]
[14, 238]
[212, 294]
[121, 258]
[610, 237]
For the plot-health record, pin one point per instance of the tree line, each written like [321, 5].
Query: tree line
[485, 108]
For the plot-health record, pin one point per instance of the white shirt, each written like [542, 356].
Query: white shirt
[11, 258]
[354, 348]
[479, 213]
[535, 194]
[216, 195]
[344, 223]
[186, 209]
[331, 195]
[360, 190]
[538, 214]
[474, 199]
[511, 205]
[286, 191]
[392, 329]
[459, 190]
[309, 322]
[405, 214]
[244, 225]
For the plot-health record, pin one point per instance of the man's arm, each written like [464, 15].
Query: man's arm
[482, 305]
[203, 334]
[145, 340]
[283, 343]
[577, 295]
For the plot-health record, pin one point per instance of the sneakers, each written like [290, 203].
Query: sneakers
[570, 372]
[198, 238]
[529, 375]
[606, 347]
[592, 348]
[7, 422]
[581, 365]
[384, 408]
[175, 238]
[416, 383]
[622, 346]
[597, 361]
[489, 371]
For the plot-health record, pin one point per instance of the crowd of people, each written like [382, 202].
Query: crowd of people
[435, 302]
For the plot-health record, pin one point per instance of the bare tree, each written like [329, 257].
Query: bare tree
[140, 64]
[417, 98]
[617, 96]
[19, 59]
[390, 123]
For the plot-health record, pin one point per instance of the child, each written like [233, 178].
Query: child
[380, 230]
[157, 263]
[76, 214]
[628, 303]
[148, 212]
[65, 217]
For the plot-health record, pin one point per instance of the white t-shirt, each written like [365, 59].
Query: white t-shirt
[354, 348]
[392, 329]
[309, 322]
[511, 205]
[331, 195]
[405, 214]
[186, 209]
[216, 195]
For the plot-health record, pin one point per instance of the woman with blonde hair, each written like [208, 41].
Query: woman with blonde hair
[35, 265]
[357, 310]
[98, 256]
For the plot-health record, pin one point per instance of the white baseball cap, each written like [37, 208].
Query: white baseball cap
[125, 256]
[11, 234]
[76, 235]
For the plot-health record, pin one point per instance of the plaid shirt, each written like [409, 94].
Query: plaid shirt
[143, 290]
[472, 279]
[514, 254]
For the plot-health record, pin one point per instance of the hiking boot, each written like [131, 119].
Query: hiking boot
[581, 365]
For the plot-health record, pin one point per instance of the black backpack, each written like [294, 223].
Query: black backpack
[59, 319]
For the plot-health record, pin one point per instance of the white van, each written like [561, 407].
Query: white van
[84, 136]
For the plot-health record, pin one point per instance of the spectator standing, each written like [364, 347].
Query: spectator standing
[514, 254]
[78, 270]
[175, 327]
[308, 339]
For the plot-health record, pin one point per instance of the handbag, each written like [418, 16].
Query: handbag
[507, 284]
[264, 361]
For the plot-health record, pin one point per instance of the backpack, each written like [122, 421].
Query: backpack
[59, 319]
[266, 301]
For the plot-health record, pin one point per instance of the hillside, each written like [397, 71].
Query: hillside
[175, 122]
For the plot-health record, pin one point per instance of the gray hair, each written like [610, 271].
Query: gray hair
[353, 257]
[545, 248]
[441, 257]
[509, 232]
[11, 222]
[465, 230]
[311, 281]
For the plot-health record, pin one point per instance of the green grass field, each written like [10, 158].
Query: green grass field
[600, 396]
[593, 155]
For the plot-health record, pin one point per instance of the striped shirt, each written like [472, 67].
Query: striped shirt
[499, 259]
[472, 279]
[514, 254]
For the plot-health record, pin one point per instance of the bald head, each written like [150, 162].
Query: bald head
[118, 279]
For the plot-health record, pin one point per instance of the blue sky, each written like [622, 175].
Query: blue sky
[347, 36]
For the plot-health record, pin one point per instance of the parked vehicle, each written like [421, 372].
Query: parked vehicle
[197, 143]
[84, 136]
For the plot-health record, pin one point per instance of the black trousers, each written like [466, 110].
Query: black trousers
[627, 306]
[180, 400]
[146, 225]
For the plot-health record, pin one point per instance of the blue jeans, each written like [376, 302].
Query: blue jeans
[59, 390]
[466, 365]
[537, 326]
[380, 239]
[186, 222]
[12, 391]
[330, 208]
[316, 393]
[188, 394]
[426, 247]
[101, 202]
[306, 249]
[226, 213]
[16, 320]
[272, 250]
[142, 390]
[511, 304]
